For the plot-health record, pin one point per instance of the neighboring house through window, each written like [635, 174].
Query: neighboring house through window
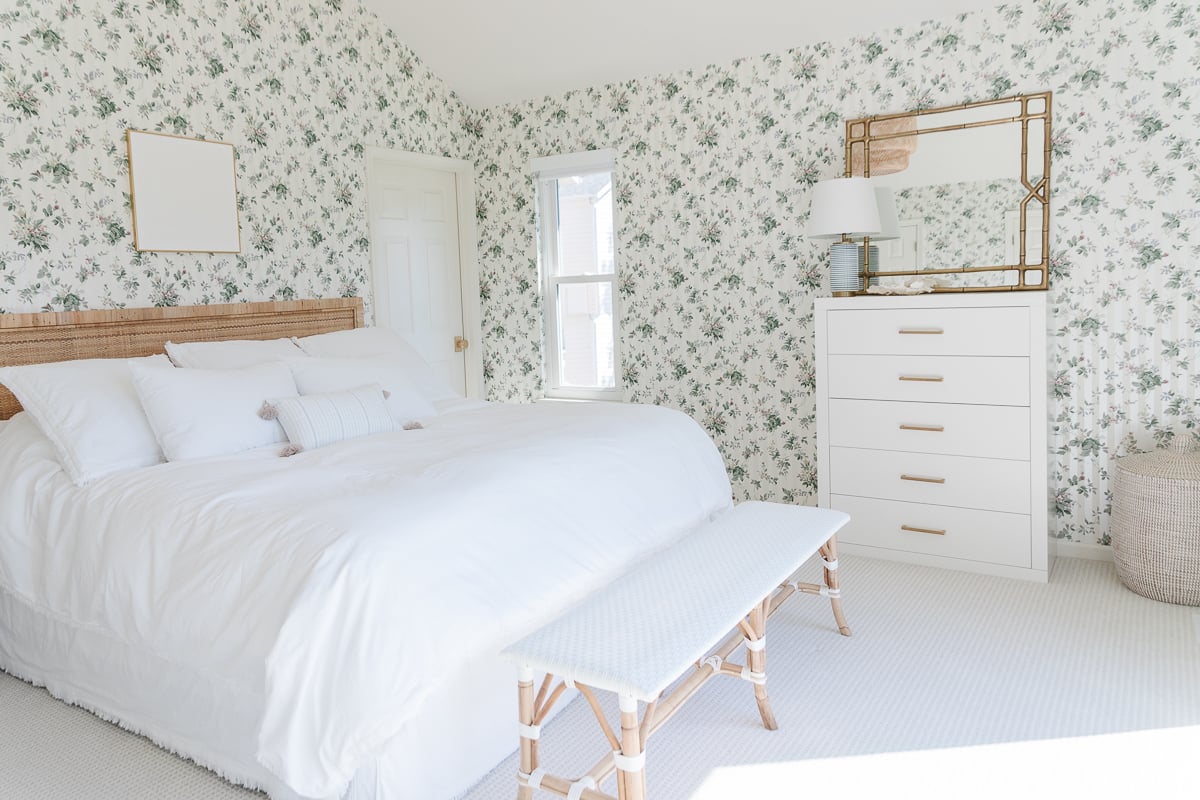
[577, 245]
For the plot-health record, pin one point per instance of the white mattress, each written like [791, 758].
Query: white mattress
[294, 615]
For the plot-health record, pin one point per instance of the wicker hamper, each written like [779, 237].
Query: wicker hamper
[1156, 523]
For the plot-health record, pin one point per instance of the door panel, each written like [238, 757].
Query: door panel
[416, 263]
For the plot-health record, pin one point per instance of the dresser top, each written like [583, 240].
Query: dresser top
[943, 300]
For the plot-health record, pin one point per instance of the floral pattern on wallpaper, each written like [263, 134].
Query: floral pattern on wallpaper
[300, 89]
[715, 168]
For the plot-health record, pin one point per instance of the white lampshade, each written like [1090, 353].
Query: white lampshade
[889, 223]
[844, 207]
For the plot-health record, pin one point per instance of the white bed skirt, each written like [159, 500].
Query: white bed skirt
[464, 729]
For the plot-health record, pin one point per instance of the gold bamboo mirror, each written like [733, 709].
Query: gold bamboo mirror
[971, 185]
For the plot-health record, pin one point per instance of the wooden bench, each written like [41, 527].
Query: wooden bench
[685, 609]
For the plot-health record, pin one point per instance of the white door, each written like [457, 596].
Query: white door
[416, 262]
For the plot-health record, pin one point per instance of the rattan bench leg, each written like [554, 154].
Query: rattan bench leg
[756, 659]
[833, 584]
[529, 757]
[631, 783]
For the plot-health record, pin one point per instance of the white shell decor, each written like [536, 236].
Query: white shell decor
[912, 286]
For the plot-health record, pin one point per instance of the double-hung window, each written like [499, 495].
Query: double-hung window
[577, 248]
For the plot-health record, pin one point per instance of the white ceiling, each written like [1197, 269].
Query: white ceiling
[499, 51]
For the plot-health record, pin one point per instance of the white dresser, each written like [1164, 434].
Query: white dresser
[932, 427]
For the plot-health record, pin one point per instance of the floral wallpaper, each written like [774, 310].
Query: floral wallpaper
[301, 89]
[715, 168]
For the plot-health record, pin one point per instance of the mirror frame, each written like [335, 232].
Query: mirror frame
[859, 137]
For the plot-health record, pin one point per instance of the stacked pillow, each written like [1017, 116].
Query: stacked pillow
[90, 412]
[200, 413]
[384, 344]
[129, 413]
[232, 354]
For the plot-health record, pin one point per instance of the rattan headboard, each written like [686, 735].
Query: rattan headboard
[133, 332]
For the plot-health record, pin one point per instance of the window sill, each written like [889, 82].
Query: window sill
[613, 397]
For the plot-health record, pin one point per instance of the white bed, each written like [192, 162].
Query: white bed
[326, 625]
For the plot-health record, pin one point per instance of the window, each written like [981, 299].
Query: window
[579, 274]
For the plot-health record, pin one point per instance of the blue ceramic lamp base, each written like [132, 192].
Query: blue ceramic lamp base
[845, 264]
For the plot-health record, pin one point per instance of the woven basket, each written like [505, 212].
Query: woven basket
[1156, 523]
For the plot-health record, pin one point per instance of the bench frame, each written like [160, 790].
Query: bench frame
[628, 751]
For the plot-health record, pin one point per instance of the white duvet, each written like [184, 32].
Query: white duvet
[339, 587]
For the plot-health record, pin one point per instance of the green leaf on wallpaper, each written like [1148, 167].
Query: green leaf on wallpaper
[806, 69]
[114, 232]
[58, 171]
[1089, 78]
[1147, 126]
[21, 99]
[1147, 255]
[68, 301]
[147, 55]
[105, 107]
[1147, 379]
[50, 38]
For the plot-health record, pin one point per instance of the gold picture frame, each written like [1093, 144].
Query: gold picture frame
[182, 193]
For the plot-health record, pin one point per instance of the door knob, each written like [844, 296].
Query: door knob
[460, 344]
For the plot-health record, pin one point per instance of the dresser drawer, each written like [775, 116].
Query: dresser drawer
[991, 484]
[997, 331]
[949, 429]
[989, 536]
[1000, 381]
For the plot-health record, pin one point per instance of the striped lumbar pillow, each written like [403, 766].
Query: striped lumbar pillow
[316, 420]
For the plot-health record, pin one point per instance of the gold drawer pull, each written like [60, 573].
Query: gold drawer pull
[923, 378]
[919, 479]
[930, 428]
[921, 331]
[922, 530]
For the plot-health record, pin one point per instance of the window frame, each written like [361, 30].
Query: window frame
[547, 171]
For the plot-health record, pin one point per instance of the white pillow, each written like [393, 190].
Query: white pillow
[198, 413]
[233, 354]
[90, 412]
[360, 342]
[316, 420]
[323, 375]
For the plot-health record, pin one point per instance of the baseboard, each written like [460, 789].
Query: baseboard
[1092, 552]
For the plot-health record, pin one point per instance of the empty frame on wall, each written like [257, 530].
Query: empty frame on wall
[183, 193]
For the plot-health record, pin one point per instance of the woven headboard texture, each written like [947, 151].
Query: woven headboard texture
[134, 332]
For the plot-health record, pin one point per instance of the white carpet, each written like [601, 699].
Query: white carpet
[938, 660]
